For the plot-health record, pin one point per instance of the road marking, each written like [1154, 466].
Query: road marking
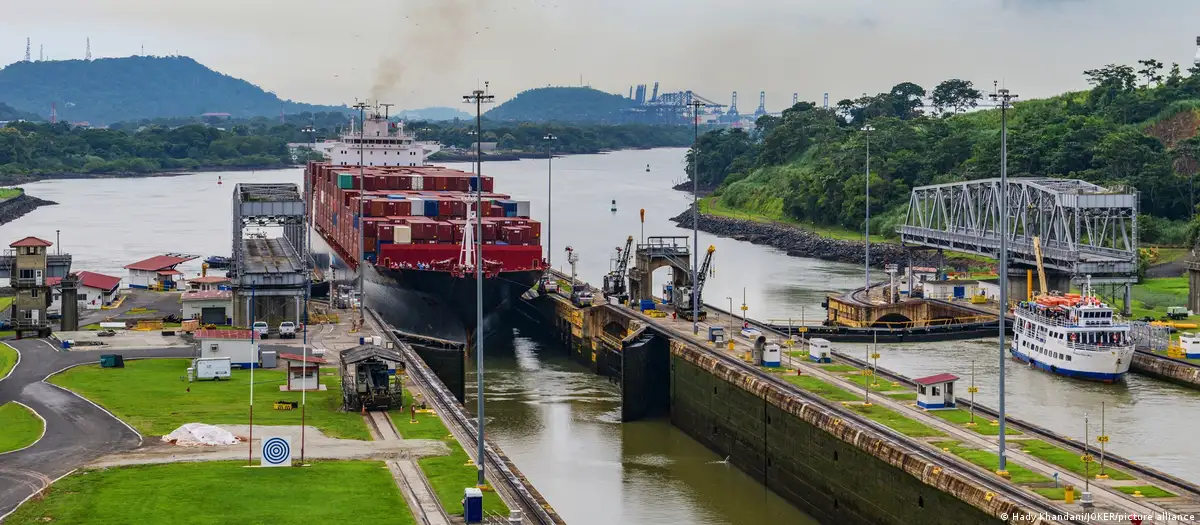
[15, 365]
[114, 416]
[35, 493]
[44, 425]
[52, 347]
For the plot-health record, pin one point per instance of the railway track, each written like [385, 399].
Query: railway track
[1035, 504]
[506, 479]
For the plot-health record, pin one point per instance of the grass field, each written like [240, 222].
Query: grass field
[896, 421]
[1149, 491]
[990, 461]
[153, 396]
[8, 360]
[21, 427]
[222, 492]
[821, 388]
[8, 193]
[448, 475]
[1057, 494]
[1069, 460]
[6, 302]
[983, 425]
[905, 396]
[837, 368]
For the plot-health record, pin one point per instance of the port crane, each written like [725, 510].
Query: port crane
[683, 295]
[614, 282]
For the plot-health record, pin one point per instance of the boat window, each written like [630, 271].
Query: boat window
[1068, 357]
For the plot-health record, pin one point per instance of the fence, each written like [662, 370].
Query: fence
[1149, 337]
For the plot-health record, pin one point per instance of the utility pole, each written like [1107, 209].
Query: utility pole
[1005, 98]
[479, 97]
[867, 232]
[695, 105]
[550, 138]
[362, 297]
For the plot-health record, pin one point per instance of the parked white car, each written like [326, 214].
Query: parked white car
[261, 328]
[287, 330]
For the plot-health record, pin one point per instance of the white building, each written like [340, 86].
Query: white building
[209, 283]
[209, 306]
[303, 372]
[157, 272]
[381, 144]
[951, 289]
[234, 344]
[95, 290]
[936, 392]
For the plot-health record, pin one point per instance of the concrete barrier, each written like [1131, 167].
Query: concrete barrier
[1173, 370]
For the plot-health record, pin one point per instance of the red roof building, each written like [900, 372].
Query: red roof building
[157, 272]
[305, 375]
[936, 392]
[96, 290]
[935, 379]
[30, 242]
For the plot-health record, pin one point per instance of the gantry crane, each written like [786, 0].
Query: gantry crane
[683, 296]
[614, 282]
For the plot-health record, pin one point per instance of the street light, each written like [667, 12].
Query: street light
[695, 105]
[479, 97]
[549, 138]
[730, 316]
[362, 296]
[1005, 98]
[867, 232]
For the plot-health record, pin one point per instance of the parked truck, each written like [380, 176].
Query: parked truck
[261, 329]
[287, 330]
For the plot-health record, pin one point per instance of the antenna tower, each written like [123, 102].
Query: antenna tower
[88, 56]
[827, 101]
[27, 49]
[41, 52]
[53, 113]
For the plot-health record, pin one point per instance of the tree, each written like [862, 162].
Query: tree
[957, 94]
[1150, 70]
[1112, 76]
[906, 99]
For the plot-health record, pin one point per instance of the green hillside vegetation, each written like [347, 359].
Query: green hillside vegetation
[563, 104]
[7, 113]
[108, 90]
[1135, 127]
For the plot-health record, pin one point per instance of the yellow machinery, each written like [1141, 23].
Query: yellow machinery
[1037, 255]
[979, 298]
[148, 326]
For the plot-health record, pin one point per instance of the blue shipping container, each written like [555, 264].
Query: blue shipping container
[335, 222]
[474, 183]
[431, 208]
[379, 246]
[513, 213]
[356, 226]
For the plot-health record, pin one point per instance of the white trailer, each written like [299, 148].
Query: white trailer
[215, 368]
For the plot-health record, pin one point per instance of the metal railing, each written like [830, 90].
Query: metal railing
[29, 281]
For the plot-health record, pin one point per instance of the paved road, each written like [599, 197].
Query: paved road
[77, 431]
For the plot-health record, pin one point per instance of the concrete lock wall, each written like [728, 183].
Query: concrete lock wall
[450, 366]
[833, 480]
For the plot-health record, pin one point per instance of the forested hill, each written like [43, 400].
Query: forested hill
[562, 104]
[7, 113]
[1136, 127]
[108, 90]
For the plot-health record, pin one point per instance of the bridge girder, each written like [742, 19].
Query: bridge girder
[1084, 229]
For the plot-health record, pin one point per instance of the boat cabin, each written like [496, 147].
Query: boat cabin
[936, 392]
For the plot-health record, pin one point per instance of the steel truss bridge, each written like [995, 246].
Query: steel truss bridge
[1084, 229]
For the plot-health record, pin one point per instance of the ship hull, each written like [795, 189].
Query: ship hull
[431, 303]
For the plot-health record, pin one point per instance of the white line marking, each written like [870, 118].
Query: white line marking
[14, 368]
[44, 425]
[35, 493]
[47, 343]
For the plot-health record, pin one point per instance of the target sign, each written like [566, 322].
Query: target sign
[276, 452]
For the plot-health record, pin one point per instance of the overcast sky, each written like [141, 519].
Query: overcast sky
[419, 53]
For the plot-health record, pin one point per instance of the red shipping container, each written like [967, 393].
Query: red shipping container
[371, 228]
[459, 208]
[402, 208]
[488, 185]
[371, 242]
[445, 232]
[386, 232]
[462, 183]
[446, 208]
[369, 182]
[489, 232]
[535, 231]
[379, 208]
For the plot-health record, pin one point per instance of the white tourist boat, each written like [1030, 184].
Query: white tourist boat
[1072, 335]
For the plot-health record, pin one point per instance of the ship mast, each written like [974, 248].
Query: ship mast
[466, 256]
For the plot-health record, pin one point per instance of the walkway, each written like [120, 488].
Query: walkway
[77, 431]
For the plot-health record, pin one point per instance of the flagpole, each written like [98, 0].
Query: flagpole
[253, 360]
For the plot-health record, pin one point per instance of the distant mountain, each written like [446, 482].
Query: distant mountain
[109, 90]
[7, 113]
[435, 113]
[563, 104]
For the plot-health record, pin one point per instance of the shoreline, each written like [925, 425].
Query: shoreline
[28, 179]
[21, 205]
[798, 242]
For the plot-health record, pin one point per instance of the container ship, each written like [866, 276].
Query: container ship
[418, 232]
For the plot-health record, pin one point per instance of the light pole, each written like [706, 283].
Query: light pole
[695, 105]
[730, 317]
[362, 298]
[479, 97]
[867, 231]
[549, 138]
[1005, 98]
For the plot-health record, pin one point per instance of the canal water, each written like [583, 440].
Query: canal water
[560, 423]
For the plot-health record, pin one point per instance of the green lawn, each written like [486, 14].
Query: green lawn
[221, 492]
[448, 475]
[1068, 460]
[21, 427]
[153, 396]
[983, 425]
[821, 388]
[8, 359]
[1151, 297]
[1149, 491]
[1057, 494]
[903, 396]
[836, 368]
[863, 381]
[896, 421]
[6, 302]
[8, 193]
[990, 461]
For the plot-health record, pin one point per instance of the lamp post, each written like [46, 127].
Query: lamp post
[867, 230]
[362, 298]
[695, 105]
[730, 316]
[549, 138]
[479, 97]
[1005, 98]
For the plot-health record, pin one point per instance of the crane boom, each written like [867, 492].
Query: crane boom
[1037, 254]
[702, 275]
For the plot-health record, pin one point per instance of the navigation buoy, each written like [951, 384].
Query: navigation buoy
[614, 205]
[218, 180]
[647, 168]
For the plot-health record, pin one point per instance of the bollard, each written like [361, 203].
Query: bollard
[1069, 495]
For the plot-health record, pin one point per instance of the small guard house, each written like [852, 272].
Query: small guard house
[936, 392]
[303, 372]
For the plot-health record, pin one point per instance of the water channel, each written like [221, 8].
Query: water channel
[561, 424]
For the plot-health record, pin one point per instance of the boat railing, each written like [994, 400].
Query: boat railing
[1052, 321]
[1097, 348]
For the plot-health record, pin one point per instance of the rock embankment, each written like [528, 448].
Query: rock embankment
[12, 209]
[802, 243]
